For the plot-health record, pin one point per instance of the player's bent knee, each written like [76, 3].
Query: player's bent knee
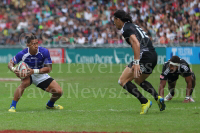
[122, 82]
[119, 82]
[59, 92]
[138, 81]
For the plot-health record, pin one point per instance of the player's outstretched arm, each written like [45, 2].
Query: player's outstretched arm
[11, 65]
[189, 85]
[161, 87]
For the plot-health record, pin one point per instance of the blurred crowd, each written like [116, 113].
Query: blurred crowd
[88, 21]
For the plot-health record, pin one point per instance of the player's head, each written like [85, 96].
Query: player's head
[32, 42]
[174, 63]
[120, 17]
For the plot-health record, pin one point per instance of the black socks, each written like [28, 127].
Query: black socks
[131, 88]
[171, 91]
[149, 88]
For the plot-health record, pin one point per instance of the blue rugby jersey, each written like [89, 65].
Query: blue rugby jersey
[33, 61]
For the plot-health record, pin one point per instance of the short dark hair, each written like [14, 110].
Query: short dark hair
[30, 37]
[175, 59]
[123, 16]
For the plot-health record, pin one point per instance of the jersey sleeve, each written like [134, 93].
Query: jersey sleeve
[18, 57]
[128, 32]
[47, 57]
[163, 75]
[185, 70]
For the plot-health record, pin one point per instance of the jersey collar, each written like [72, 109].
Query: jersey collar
[36, 53]
[122, 29]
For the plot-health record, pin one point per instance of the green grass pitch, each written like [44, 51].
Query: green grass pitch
[93, 101]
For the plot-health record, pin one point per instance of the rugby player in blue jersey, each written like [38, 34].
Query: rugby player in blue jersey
[39, 61]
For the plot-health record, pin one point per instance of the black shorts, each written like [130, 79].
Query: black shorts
[147, 62]
[44, 84]
[174, 78]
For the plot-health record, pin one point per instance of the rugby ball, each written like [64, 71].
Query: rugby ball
[22, 67]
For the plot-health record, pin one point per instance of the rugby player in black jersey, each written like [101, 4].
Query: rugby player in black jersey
[145, 59]
[170, 72]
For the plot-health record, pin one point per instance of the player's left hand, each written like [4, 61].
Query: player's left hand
[29, 72]
[137, 71]
[17, 73]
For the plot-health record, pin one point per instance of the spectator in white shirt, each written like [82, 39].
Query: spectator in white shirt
[87, 14]
[63, 18]
[103, 34]
[81, 39]
[171, 35]
[22, 24]
[71, 22]
[64, 9]
[2, 24]
[100, 40]
[58, 27]
[191, 11]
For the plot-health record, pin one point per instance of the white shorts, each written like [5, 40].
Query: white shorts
[38, 78]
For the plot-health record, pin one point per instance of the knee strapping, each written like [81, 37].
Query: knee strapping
[119, 82]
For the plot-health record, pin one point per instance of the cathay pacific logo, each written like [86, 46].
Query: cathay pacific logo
[113, 57]
[117, 60]
[67, 58]
[124, 57]
[87, 58]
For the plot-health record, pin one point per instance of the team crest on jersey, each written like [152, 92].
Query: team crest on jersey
[161, 76]
[33, 58]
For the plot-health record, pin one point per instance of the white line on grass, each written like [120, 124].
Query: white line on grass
[111, 110]
[17, 79]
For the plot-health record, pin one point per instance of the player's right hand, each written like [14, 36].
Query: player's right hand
[137, 71]
[29, 72]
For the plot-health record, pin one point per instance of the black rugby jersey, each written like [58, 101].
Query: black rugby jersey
[183, 70]
[145, 43]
